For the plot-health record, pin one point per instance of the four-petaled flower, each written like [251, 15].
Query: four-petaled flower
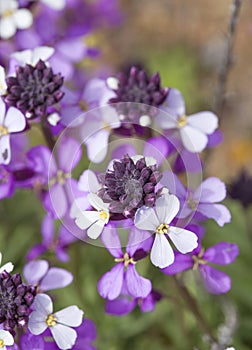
[59, 323]
[157, 220]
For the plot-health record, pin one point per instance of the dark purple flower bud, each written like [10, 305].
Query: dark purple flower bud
[34, 89]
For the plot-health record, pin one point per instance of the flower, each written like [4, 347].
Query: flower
[59, 323]
[34, 89]
[193, 129]
[215, 281]
[93, 221]
[124, 272]
[15, 301]
[38, 273]
[6, 339]
[13, 18]
[8, 267]
[130, 185]
[157, 220]
[11, 122]
[203, 201]
[137, 87]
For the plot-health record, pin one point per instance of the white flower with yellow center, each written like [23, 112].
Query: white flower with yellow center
[59, 323]
[157, 220]
[6, 339]
[13, 18]
[95, 220]
[8, 267]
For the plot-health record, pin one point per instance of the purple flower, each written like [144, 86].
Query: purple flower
[7, 183]
[11, 122]
[38, 273]
[111, 284]
[215, 281]
[202, 202]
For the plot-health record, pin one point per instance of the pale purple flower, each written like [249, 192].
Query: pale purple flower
[11, 122]
[39, 273]
[59, 323]
[202, 202]
[157, 220]
[193, 129]
[215, 281]
[111, 284]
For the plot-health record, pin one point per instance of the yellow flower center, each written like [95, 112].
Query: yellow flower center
[182, 121]
[192, 204]
[1, 343]
[103, 215]
[7, 13]
[198, 259]
[3, 131]
[126, 259]
[162, 229]
[51, 320]
[60, 178]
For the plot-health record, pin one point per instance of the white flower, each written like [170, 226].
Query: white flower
[93, 221]
[21, 58]
[8, 267]
[6, 339]
[3, 85]
[13, 121]
[13, 18]
[59, 323]
[194, 129]
[157, 220]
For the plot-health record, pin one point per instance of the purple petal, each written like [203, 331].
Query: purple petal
[187, 161]
[34, 271]
[112, 242]
[87, 330]
[42, 161]
[69, 154]
[138, 287]
[222, 253]
[121, 306]
[120, 151]
[158, 148]
[110, 285]
[211, 190]
[181, 263]
[139, 239]
[55, 201]
[55, 278]
[174, 185]
[47, 230]
[147, 304]
[215, 281]
[215, 139]
[218, 212]
[36, 251]
[29, 341]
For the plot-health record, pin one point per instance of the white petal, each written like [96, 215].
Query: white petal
[88, 182]
[43, 304]
[86, 219]
[97, 202]
[167, 207]
[23, 57]
[7, 27]
[207, 122]
[95, 230]
[193, 139]
[7, 267]
[2, 111]
[42, 52]
[161, 254]
[112, 83]
[78, 206]
[146, 219]
[70, 316]
[14, 120]
[3, 85]
[1, 256]
[149, 160]
[55, 4]
[184, 240]
[53, 119]
[23, 18]
[37, 323]
[97, 146]
[6, 337]
[64, 336]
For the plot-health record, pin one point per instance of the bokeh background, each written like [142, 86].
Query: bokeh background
[184, 41]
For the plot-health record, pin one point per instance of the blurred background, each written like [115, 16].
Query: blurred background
[184, 41]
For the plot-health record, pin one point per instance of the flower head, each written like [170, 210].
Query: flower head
[59, 323]
[157, 220]
[34, 89]
[130, 185]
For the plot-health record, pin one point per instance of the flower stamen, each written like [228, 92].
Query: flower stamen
[3, 131]
[182, 121]
[51, 320]
[162, 229]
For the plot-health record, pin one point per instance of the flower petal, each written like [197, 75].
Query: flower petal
[181, 263]
[86, 219]
[120, 306]
[37, 322]
[7, 27]
[8, 267]
[14, 120]
[55, 4]
[97, 146]
[112, 242]
[43, 304]
[167, 207]
[162, 254]
[218, 212]
[222, 253]
[88, 182]
[146, 219]
[70, 316]
[97, 202]
[35, 270]
[5, 151]
[96, 229]
[207, 122]
[6, 337]
[65, 337]
[138, 286]
[110, 284]
[55, 278]
[211, 190]
[215, 281]
[184, 240]
[23, 18]
[3, 88]
[193, 139]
